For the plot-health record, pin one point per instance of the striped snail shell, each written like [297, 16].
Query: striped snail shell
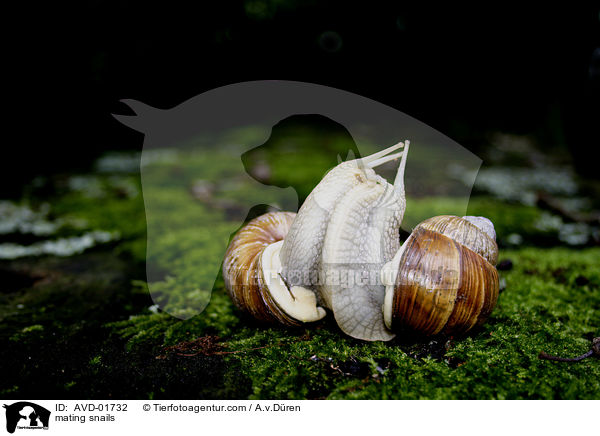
[251, 271]
[443, 279]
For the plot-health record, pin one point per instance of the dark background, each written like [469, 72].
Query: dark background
[462, 71]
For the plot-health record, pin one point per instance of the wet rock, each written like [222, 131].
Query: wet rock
[62, 247]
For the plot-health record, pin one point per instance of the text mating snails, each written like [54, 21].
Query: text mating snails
[342, 252]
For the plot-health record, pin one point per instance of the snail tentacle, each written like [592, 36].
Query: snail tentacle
[399, 180]
[368, 160]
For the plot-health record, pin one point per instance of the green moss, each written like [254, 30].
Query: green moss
[11, 390]
[112, 211]
[542, 308]
[90, 322]
[35, 330]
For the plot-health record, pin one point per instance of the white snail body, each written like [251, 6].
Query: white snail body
[347, 229]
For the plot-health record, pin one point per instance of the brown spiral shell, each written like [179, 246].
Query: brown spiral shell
[446, 282]
[242, 270]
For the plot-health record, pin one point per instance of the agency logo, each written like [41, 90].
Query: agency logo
[27, 416]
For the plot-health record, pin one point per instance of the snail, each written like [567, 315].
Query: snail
[345, 231]
[443, 279]
[283, 269]
[342, 252]
[251, 274]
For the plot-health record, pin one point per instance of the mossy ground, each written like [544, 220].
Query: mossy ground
[542, 308]
[85, 326]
